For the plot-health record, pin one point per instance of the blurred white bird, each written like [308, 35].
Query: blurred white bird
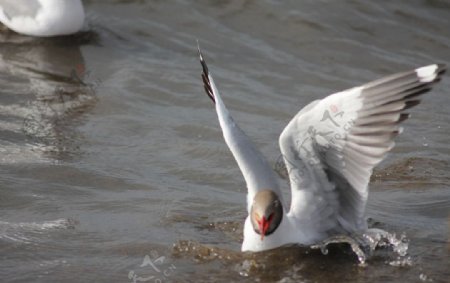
[42, 17]
[330, 149]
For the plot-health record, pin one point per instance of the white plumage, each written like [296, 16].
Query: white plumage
[330, 149]
[42, 17]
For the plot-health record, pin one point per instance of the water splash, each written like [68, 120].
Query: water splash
[380, 238]
[249, 266]
[364, 245]
[355, 245]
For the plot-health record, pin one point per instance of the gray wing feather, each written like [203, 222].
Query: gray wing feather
[330, 166]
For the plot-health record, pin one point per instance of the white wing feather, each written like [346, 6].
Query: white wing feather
[331, 147]
[258, 174]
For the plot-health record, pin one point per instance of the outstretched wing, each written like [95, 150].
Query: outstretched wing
[257, 172]
[331, 147]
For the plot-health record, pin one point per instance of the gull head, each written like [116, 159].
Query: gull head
[266, 213]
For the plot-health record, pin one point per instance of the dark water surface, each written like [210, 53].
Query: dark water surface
[113, 166]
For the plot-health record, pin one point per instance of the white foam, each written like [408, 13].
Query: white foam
[25, 232]
[35, 226]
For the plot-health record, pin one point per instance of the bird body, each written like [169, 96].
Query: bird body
[330, 148]
[42, 18]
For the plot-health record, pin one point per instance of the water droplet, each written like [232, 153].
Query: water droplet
[401, 262]
[425, 278]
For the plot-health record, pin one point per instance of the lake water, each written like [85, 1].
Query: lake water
[112, 163]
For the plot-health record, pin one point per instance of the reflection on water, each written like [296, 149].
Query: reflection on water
[50, 75]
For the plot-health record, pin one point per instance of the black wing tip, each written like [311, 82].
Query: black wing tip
[442, 68]
[440, 71]
[202, 61]
[411, 103]
[403, 117]
[205, 75]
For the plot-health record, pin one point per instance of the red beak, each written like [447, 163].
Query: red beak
[263, 226]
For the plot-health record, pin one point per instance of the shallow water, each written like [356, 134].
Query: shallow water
[111, 151]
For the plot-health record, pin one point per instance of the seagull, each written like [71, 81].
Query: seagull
[42, 18]
[329, 149]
